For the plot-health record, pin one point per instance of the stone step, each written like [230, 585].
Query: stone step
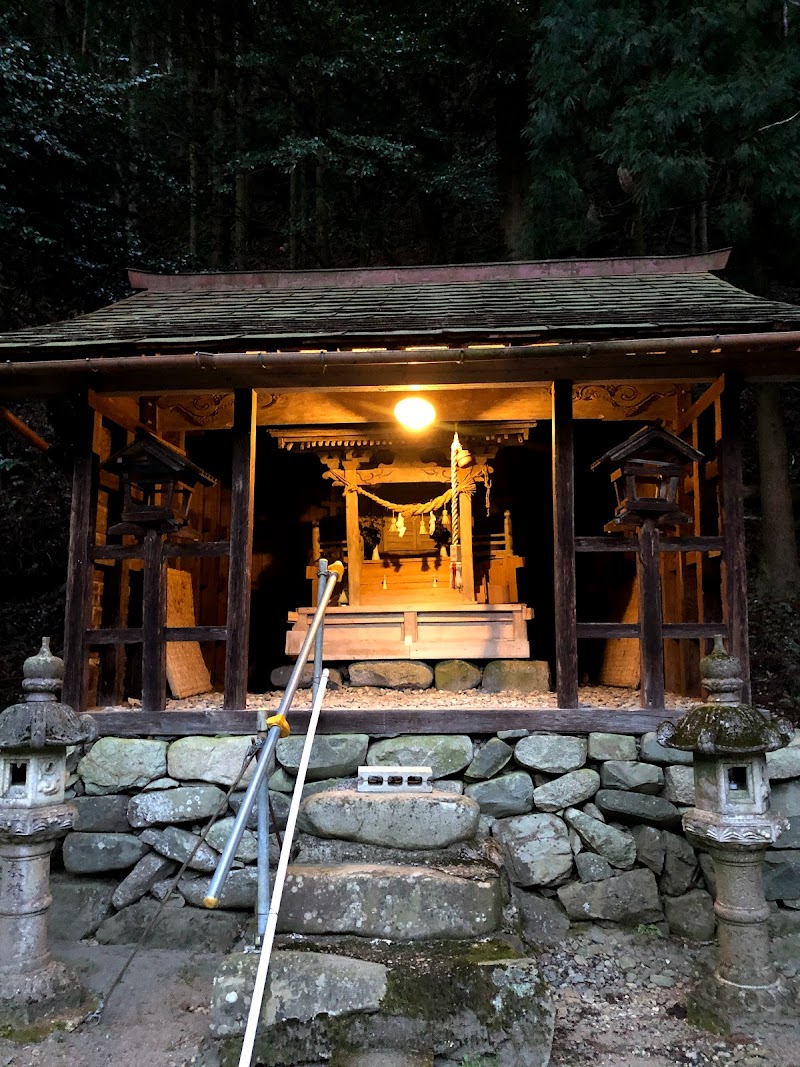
[398, 902]
[406, 820]
[369, 1004]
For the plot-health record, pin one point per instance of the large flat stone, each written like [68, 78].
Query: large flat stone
[536, 849]
[105, 814]
[79, 906]
[192, 803]
[632, 776]
[184, 928]
[650, 847]
[150, 869]
[489, 759]
[401, 820]
[116, 763]
[93, 853]
[210, 759]
[510, 794]
[391, 674]
[406, 903]
[302, 985]
[568, 790]
[612, 747]
[637, 807]
[592, 868]
[456, 675]
[551, 753]
[443, 753]
[451, 1003]
[631, 897]
[332, 755]
[523, 675]
[615, 846]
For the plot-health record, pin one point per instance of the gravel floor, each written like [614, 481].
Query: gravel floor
[597, 696]
[620, 1001]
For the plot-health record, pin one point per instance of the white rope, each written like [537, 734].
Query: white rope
[455, 547]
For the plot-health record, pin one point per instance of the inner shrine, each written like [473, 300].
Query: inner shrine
[419, 583]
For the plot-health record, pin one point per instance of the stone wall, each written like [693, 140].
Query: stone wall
[581, 828]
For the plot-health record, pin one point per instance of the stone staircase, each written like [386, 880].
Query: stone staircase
[391, 947]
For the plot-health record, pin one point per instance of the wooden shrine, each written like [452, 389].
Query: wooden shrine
[554, 356]
[401, 600]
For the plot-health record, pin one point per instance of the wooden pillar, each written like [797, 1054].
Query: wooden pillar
[467, 562]
[241, 539]
[355, 550]
[651, 634]
[730, 457]
[154, 612]
[564, 546]
[83, 512]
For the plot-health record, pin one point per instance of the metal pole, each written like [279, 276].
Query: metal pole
[268, 749]
[280, 878]
[322, 575]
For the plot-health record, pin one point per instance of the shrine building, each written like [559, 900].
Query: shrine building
[514, 461]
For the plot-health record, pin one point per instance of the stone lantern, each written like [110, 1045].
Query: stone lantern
[34, 736]
[732, 820]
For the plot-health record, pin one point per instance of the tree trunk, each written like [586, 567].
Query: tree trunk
[779, 571]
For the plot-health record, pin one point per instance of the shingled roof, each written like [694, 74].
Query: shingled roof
[518, 303]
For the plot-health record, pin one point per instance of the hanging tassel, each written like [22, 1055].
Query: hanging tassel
[446, 519]
[393, 526]
[431, 524]
[422, 529]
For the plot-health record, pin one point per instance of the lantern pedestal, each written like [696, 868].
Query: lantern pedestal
[37, 993]
[733, 821]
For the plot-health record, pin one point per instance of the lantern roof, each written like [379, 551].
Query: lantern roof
[652, 443]
[149, 458]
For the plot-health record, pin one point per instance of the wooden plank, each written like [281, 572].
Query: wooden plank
[79, 568]
[198, 550]
[564, 545]
[241, 555]
[686, 418]
[651, 642]
[114, 635]
[667, 544]
[154, 599]
[355, 549]
[187, 671]
[735, 581]
[607, 630]
[391, 721]
[467, 561]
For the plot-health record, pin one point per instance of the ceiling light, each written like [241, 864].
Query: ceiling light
[414, 413]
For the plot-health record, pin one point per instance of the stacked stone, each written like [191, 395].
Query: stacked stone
[450, 676]
[585, 828]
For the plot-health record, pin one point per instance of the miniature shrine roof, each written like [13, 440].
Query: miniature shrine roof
[517, 303]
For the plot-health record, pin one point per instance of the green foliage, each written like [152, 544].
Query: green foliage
[647, 117]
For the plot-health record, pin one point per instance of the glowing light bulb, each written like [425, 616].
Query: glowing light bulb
[414, 413]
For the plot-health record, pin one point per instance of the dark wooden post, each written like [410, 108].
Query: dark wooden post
[730, 456]
[241, 561]
[564, 546]
[154, 609]
[82, 521]
[651, 635]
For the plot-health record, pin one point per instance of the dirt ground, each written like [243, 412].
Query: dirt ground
[620, 1001]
